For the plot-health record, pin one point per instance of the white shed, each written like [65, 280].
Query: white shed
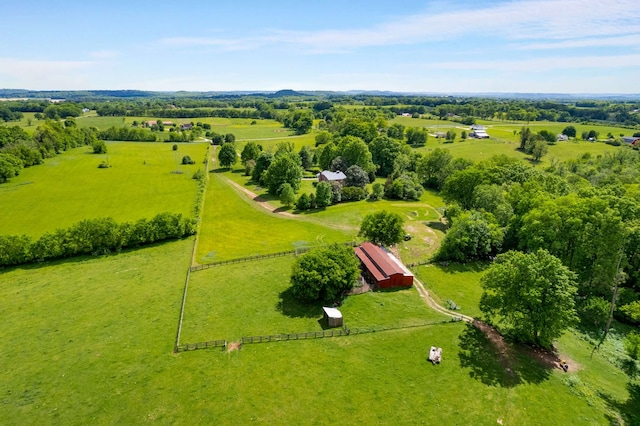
[333, 316]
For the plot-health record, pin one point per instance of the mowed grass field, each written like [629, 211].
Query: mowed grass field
[91, 339]
[234, 226]
[258, 293]
[70, 187]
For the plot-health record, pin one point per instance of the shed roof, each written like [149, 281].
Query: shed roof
[379, 262]
[332, 312]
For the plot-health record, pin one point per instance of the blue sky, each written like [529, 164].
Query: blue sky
[560, 46]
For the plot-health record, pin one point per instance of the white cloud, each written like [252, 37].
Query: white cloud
[517, 20]
[40, 74]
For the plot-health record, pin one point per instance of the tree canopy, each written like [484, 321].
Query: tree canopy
[383, 227]
[227, 155]
[324, 274]
[529, 296]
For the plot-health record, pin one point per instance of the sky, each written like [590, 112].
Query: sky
[457, 46]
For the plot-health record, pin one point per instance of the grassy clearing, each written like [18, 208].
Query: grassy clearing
[460, 283]
[598, 380]
[70, 187]
[234, 226]
[422, 220]
[92, 339]
[240, 127]
[267, 307]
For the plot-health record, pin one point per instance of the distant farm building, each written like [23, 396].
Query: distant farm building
[440, 135]
[406, 114]
[631, 140]
[167, 123]
[186, 126]
[381, 268]
[327, 176]
[562, 138]
[479, 134]
[332, 316]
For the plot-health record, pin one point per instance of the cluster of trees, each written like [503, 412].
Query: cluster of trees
[328, 273]
[19, 149]
[6, 114]
[584, 212]
[133, 134]
[94, 236]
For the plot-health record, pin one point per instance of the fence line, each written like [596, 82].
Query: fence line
[283, 337]
[201, 345]
[256, 257]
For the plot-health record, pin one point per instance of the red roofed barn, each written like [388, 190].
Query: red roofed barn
[381, 268]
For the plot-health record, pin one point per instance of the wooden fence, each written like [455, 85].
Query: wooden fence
[201, 345]
[256, 257]
[283, 337]
[296, 336]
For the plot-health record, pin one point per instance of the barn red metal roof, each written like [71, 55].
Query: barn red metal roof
[377, 261]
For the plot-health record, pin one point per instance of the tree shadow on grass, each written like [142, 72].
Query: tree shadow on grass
[496, 362]
[293, 308]
[438, 226]
[629, 410]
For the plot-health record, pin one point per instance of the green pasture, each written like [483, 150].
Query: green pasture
[258, 293]
[422, 220]
[456, 282]
[92, 338]
[101, 123]
[234, 226]
[598, 379]
[240, 127]
[70, 187]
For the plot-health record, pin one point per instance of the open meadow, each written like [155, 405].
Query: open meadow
[91, 339]
[141, 183]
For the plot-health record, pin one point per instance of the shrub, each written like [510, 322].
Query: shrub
[175, 147]
[187, 160]
[199, 174]
[353, 193]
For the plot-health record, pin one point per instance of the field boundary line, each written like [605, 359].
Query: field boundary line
[309, 335]
[296, 252]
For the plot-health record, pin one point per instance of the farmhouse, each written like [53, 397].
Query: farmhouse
[440, 135]
[631, 140]
[327, 176]
[186, 126]
[562, 138]
[381, 268]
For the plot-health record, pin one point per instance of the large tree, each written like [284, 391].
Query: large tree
[473, 235]
[324, 194]
[384, 152]
[251, 151]
[324, 274]
[434, 168]
[284, 169]
[383, 227]
[227, 155]
[530, 296]
[10, 166]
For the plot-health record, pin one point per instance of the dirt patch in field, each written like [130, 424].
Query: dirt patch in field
[546, 358]
[233, 346]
